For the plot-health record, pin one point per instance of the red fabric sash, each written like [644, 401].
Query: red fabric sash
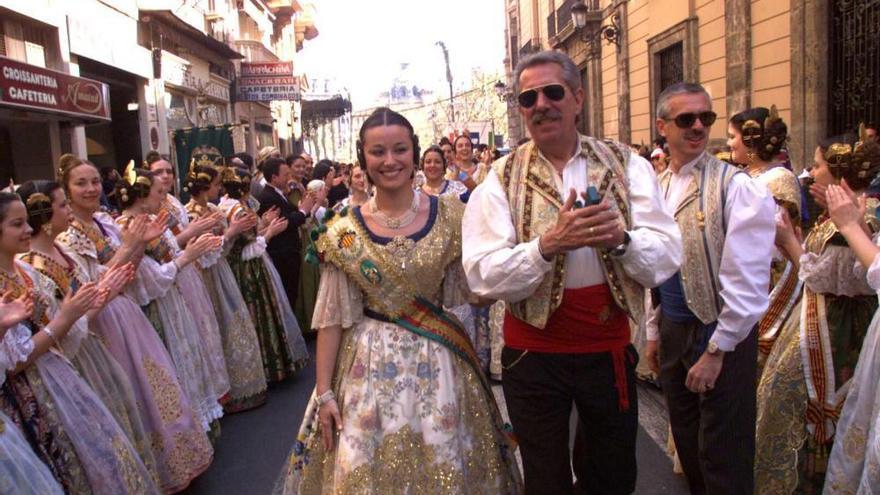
[587, 321]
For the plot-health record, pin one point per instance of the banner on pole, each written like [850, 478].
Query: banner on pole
[201, 146]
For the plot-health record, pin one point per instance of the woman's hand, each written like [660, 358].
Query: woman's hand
[277, 226]
[818, 192]
[241, 224]
[116, 278]
[74, 306]
[271, 214]
[330, 420]
[134, 231]
[155, 227]
[15, 310]
[845, 208]
[201, 245]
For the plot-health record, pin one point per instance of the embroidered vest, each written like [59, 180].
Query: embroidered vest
[534, 206]
[700, 217]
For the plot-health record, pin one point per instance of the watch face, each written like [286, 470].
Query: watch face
[713, 348]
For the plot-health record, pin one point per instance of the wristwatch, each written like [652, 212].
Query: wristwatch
[713, 349]
[621, 248]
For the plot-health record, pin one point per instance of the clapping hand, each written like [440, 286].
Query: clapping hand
[155, 227]
[116, 278]
[241, 224]
[15, 310]
[845, 208]
[271, 214]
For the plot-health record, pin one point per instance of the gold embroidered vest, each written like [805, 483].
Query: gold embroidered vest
[700, 217]
[534, 206]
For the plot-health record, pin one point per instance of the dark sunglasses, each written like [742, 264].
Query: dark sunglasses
[686, 120]
[529, 97]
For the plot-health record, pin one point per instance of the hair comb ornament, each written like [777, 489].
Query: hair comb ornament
[862, 158]
[228, 175]
[38, 204]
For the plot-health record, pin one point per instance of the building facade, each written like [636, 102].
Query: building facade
[816, 60]
[140, 69]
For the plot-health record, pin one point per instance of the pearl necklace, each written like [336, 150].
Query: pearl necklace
[396, 223]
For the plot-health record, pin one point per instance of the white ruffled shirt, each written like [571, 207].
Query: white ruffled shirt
[498, 267]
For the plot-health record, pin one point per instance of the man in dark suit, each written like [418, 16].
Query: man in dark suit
[284, 248]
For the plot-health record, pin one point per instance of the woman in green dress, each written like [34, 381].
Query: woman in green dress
[802, 387]
[281, 343]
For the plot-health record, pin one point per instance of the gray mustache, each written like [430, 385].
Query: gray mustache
[549, 113]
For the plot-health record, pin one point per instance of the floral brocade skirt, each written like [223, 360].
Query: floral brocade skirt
[416, 419]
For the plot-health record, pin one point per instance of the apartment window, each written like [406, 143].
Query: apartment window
[671, 68]
[673, 56]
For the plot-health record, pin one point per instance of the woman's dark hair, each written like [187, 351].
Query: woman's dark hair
[37, 198]
[444, 140]
[236, 182]
[384, 116]
[199, 179]
[433, 149]
[6, 199]
[127, 193]
[152, 157]
[321, 169]
[762, 130]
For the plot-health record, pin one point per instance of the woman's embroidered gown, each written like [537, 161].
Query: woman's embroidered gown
[21, 472]
[854, 465]
[180, 447]
[281, 342]
[247, 383]
[418, 417]
[806, 374]
[67, 424]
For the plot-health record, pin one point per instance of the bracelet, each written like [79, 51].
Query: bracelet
[541, 251]
[325, 398]
[48, 332]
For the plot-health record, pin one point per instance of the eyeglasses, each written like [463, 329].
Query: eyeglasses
[529, 97]
[686, 120]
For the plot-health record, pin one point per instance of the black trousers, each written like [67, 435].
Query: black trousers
[288, 264]
[540, 388]
[714, 431]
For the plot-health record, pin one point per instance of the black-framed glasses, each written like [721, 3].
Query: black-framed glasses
[529, 97]
[686, 120]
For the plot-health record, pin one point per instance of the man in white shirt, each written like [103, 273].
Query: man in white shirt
[568, 230]
[706, 314]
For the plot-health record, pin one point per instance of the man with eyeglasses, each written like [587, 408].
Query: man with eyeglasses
[569, 230]
[707, 312]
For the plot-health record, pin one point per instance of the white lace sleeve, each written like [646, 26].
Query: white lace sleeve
[152, 281]
[339, 301]
[15, 347]
[254, 249]
[833, 272]
[210, 258]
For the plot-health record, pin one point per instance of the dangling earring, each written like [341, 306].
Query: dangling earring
[750, 157]
[47, 229]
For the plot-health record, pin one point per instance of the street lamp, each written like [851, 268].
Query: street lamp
[586, 18]
[500, 90]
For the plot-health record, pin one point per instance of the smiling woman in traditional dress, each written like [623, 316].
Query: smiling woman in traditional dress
[401, 403]
[67, 424]
[180, 447]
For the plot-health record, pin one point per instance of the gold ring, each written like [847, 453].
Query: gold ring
[591, 230]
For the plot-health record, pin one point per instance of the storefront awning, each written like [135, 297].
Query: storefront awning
[325, 108]
[28, 87]
[196, 36]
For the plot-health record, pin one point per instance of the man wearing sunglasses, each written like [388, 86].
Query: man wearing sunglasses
[705, 321]
[569, 230]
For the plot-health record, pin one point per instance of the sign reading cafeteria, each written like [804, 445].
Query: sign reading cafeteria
[267, 81]
[35, 88]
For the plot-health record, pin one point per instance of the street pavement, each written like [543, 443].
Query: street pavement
[253, 445]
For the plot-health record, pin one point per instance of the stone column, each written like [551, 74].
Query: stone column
[738, 26]
[623, 103]
[809, 80]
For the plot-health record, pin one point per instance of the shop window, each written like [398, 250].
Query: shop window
[180, 111]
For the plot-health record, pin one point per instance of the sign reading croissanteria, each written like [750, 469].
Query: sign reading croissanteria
[34, 88]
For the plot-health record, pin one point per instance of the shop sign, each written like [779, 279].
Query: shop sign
[35, 88]
[268, 81]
